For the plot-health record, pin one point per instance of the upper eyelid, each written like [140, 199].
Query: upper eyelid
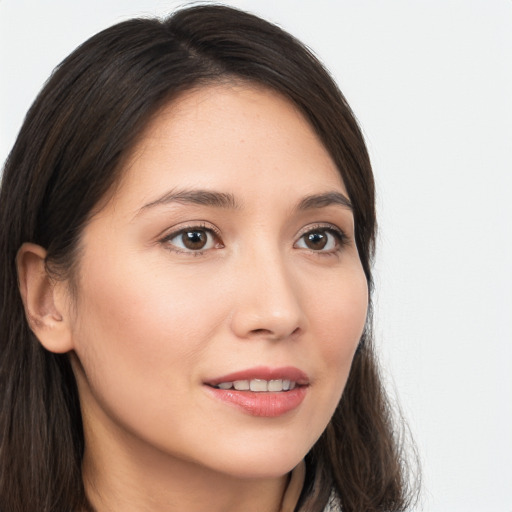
[166, 239]
[200, 225]
[343, 239]
[320, 226]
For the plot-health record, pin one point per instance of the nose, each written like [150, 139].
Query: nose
[267, 302]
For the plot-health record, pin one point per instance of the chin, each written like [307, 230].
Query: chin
[261, 460]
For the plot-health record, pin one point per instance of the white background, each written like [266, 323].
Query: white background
[431, 83]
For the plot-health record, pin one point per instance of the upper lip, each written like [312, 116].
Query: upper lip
[264, 373]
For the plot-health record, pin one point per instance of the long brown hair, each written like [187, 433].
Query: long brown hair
[69, 154]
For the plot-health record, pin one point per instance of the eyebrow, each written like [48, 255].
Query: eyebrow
[227, 200]
[199, 197]
[324, 200]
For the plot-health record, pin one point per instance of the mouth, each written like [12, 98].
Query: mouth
[259, 385]
[262, 379]
[261, 391]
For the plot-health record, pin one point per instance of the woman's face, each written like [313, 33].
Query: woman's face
[224, 261]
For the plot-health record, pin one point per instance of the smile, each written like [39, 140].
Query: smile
[261, 391]
[259, 385]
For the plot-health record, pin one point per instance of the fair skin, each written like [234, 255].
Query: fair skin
[177, 289]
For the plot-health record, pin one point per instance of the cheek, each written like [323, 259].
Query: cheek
[141, 305]
[138, 332]
[338, 320]
[345, 321]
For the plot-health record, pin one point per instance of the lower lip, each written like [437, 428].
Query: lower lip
[264, 404]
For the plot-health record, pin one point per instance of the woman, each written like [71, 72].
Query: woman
[188, 224]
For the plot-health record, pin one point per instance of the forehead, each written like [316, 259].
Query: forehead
[229, 136]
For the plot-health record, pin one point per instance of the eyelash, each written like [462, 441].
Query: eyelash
[196, 227]
[338, 234]
[341, 238]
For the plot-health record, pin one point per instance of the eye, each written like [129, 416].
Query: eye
[321, 240]
[192, 239]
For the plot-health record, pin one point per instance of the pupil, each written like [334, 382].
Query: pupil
[316, 240]
[194, 239]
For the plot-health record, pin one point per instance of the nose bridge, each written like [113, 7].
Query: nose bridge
[268, 301]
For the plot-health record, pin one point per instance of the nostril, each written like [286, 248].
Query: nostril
[272, 334]
[261, 331]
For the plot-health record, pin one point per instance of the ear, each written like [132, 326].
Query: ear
[46, 300]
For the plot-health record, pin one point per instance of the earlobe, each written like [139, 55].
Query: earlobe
[42, 299]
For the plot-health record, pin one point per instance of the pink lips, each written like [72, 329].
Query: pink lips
[265, 373]
[265, 404]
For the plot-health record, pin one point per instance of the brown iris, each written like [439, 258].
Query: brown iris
[194, 240]
[316, 240]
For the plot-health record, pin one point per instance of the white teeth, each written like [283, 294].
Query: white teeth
[259, 385]
[241, 385]
[275, 385]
